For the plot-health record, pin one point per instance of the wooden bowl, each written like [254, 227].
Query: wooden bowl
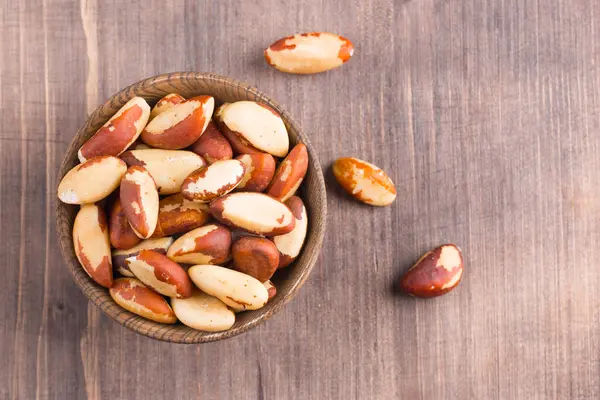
[287, 281]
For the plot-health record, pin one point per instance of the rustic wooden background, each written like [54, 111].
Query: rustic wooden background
[484, 112]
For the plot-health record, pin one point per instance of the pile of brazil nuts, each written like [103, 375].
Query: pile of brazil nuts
[185, 214]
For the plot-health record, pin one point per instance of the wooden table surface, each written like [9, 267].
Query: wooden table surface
[484, 112]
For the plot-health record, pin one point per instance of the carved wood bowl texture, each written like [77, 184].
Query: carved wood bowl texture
[288, 281]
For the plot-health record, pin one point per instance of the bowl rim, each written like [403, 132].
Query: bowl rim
[134, 322]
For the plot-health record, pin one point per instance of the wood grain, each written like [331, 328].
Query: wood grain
[484, 112]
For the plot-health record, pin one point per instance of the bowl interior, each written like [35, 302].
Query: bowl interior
[287, 281]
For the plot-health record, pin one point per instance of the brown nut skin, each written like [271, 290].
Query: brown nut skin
[209, 244]
[260, 169]
[119, 132]
[91, 243]
[290, 244]
[134, 296]
[271, 289]
[255, 256]
[238, 144]
[119, 257]
[121, 234]
[309, 53]
[179, 126]
[256, 126]
[166, 103]
[290, 174]
[139, 199]
[437, 272]
[208, 183]
[92, 180]
[253, 212]
[212, 145]
[364, 181]
[178, 215]
[160, 274]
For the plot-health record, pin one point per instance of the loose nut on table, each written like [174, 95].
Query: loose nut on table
[309, 53]
[437, 272]
[364, 181]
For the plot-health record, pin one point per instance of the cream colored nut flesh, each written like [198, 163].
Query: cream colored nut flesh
[258, 124]
[168, 167]
[166, 103]
[309, 53]
[219, 111]
[290, 244]
[91, 181]
[233, 288]
[203, 312]
[254, 212]
[92, 245]
[436, 273]
[213, 181]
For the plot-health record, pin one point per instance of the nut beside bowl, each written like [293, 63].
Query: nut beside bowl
[287, 281]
